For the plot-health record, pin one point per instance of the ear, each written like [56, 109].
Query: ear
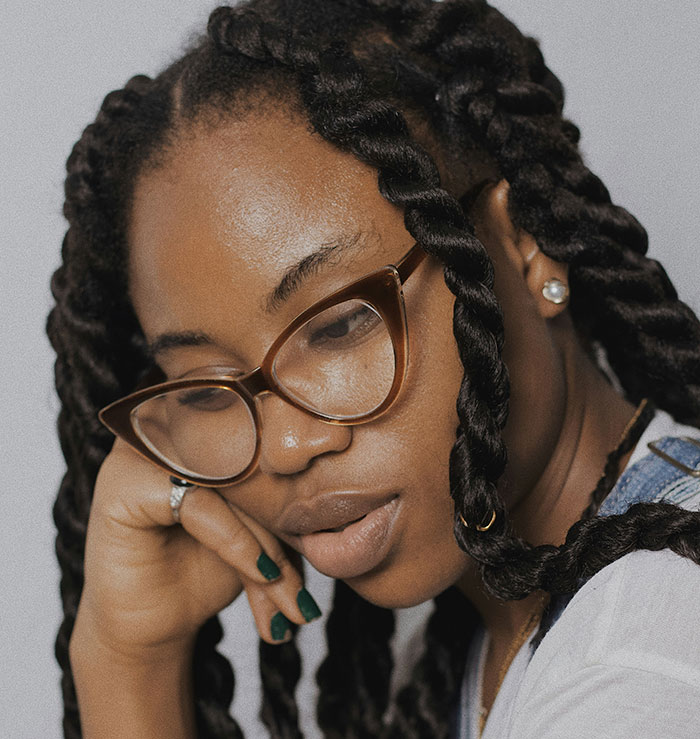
[494, 227]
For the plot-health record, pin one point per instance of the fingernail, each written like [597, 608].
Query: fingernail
[280, 627]
[268, 568]
[307, 605]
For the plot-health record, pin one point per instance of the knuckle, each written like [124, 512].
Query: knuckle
[240, 549]
[289, 572]
[195, 501]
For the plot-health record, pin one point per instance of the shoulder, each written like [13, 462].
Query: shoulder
[637, 612]
[641, 610]
[625, 647]
[623, 657]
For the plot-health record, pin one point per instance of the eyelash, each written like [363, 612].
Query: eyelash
[369, 321]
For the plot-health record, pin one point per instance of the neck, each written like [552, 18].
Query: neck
[593, 421]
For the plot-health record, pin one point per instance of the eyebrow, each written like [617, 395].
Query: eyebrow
[175, 339]
[310, 265]
[291, 282]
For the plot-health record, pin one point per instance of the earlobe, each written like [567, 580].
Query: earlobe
[546, 279]
[548, 282]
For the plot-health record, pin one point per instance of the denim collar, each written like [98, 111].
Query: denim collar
[654, 479]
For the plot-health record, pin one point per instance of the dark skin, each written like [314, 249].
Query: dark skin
[212, 230]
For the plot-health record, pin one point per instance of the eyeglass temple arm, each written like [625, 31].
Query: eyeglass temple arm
[410, 261]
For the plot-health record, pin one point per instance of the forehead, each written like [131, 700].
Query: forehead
[215, 226]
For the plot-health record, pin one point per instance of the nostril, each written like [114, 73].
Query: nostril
[291, 439]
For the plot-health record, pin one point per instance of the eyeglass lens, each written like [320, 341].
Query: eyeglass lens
[340, 363]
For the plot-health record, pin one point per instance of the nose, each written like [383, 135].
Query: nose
[291, 438]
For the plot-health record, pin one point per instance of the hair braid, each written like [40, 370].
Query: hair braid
[438, 673]
[594, 543]
[83, 377]
[213, 686]
[408, 177]
[100, 355]
[280, 669]
[355, 676]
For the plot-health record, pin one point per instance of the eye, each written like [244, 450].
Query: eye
[341, 326]
[206, 399]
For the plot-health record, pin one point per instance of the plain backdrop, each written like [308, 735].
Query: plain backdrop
[631, 72]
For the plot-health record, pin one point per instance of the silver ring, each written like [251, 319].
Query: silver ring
[177, 494]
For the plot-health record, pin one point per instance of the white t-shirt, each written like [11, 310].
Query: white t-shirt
[621, 662]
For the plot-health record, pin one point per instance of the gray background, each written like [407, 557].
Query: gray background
[631, 72]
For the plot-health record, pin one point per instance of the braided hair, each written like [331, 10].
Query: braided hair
[375, 77]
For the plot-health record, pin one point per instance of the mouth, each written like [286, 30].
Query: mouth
[330, 511]
[353, 546]
[342, 527]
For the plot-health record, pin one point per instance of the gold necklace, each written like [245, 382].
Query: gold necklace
[536, 614]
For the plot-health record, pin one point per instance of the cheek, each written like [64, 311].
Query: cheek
[422, 428]
[425, 413]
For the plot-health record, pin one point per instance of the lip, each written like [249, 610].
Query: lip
[365, 522]
[329, 511]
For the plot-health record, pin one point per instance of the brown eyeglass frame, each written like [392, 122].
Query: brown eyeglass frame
[382, 289]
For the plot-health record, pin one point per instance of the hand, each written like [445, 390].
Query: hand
[150, 583]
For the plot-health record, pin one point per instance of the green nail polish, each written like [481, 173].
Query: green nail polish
[268, 568]
[307, 605]
[280, 626]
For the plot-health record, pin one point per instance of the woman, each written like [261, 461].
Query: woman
[379, 206]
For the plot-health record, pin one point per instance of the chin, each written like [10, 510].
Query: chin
[404, 586]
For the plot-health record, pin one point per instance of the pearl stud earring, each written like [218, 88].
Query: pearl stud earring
[555, 291]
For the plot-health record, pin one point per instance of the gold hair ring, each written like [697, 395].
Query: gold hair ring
[480, 527]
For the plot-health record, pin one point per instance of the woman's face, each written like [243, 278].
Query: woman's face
[213, 230]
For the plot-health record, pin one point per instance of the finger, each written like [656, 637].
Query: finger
[287, 592]
[272, 624]
[270, 543]
[132, 490]
[206, 516]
